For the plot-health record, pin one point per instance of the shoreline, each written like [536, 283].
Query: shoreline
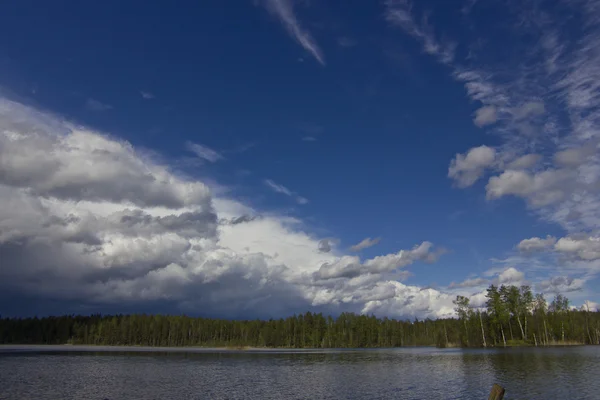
[241, 349]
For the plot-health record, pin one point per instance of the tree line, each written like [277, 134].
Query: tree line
[511, 316]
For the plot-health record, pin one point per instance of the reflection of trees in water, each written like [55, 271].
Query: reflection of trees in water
[407, 373]
[527, 372]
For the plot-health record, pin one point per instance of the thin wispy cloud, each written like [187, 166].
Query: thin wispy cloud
[311, 132]
[284, 11]
[549, 162]
[364, 244]
[204, 152]
[147, 95]
[398, 13]
[95, 105]
[278, 188]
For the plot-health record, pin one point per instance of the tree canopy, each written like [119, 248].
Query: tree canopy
[511, 316]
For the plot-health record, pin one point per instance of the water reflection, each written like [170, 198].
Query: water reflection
[410, 373]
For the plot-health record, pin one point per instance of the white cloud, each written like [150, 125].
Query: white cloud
[486, 115]
[204, 152]
[560, 284]
[530, 109]
[536, 244]
[467, 169]
[542, 99]
[309, 139]
[574, 157]
[540, 189]
[584, 248]
[284, 11]
[510, 275]
[399, 13]
[95, 105]
[524, 162]
[87, 219]
[365, 243]
[351, 266]
[278, 188]
[590, 306]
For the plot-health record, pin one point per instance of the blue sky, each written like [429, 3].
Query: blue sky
[459, 138]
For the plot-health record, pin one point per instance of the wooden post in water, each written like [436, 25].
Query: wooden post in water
[497, 392]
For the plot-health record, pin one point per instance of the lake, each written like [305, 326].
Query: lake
[80, 372]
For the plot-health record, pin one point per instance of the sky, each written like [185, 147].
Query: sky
[256, 159]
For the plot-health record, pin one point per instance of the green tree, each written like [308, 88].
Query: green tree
[497, 310]
[463, 311]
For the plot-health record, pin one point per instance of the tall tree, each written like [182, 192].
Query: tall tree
[463, 311]
[497, 310]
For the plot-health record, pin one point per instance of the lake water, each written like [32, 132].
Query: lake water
[73, 372]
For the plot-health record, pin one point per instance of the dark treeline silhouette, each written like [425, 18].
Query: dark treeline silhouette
[513, 316]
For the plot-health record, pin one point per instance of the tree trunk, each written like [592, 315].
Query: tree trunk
[482, 331]
[521, 327]
[467, 332]
[535, 339]
[446, 334]
[503, 338]
[510, 329]
[546, 331]
[587, 326]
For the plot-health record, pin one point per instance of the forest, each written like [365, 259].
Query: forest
[512, 316]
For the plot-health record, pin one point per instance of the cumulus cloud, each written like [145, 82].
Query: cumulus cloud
[364, 244]
[574, 157]
[543, 107]
[524, 162]
[204, 152]
[242, 219]
[536, 244]
[467, 169]
[486, 115]
[510, 275]
[584, 248]
[540, 101]
[540, 189]
[86, 166]
[284, 11]
[351, 266]
[560, 284]
[87, 219]
[590, 306]
[324, 245]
